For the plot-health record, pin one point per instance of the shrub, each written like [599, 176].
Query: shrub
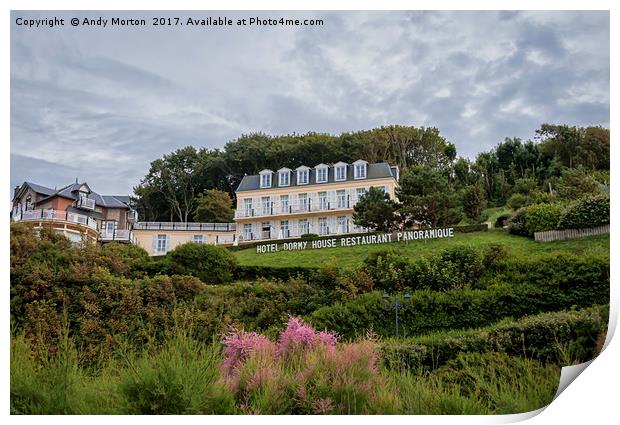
[493, 254]
[209, 263]
[466, 259]
[244, 272]
[517, 200]
[591, 211]
[305, 372]
[517, 224]
[309, 236]
[124, 259]
[546, 284]
[180, 379]
[556, 337]
[542, 217]
[501, 220]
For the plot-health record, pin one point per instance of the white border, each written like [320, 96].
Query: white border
[592, 398]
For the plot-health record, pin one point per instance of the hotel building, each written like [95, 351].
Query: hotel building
[75, 211]
[289, 203]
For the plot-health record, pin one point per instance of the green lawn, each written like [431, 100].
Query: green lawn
[351, 256]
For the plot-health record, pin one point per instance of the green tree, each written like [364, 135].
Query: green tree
[213, 206]
[427, 198]
[375, 210]
[474, 200]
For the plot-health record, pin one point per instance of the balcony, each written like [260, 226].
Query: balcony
[286, 208]
[118, 235]
[51, 215]
[296, 232]
[132, 216]
[162, 225]
[86, 203]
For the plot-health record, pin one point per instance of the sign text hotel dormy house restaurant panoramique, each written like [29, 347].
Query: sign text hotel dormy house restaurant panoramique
[406, 236]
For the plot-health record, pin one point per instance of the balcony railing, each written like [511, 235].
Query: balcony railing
[162, 225]
[120, 235]
[86, 203]
[52, 215]
[297, 231]
[283, 208]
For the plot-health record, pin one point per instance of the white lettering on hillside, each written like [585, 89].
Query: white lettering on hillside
[346, 241]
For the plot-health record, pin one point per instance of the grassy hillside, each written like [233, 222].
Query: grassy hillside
[351, 256]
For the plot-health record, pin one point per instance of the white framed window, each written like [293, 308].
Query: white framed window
[302, 176]
[247, 231]
[340, 173]
[303, 201]
[304, 226]
[343, 224]
[359, 192]
[341, 197]
[360, 171]
[323, 205]
[284, 206]
[321, 175]
[284, 230]
[323, 227]
[247, 207]
[266, 203]
[265, 180]
[161, 246]
[198, 239]
[285, 178]
[266, 230]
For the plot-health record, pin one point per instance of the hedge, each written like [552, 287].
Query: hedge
[535, 287]
[270, 272]
[592, 211]
[547, 337]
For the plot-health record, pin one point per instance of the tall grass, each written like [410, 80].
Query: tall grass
[300, 373]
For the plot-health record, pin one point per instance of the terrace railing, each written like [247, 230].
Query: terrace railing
[162, 225]
[52, 215]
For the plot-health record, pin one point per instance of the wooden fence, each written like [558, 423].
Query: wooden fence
[559, 235]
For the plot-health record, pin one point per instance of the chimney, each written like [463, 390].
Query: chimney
[15, 195]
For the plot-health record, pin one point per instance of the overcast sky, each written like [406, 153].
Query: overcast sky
[101, 103]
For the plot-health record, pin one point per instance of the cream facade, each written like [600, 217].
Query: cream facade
[157, 238]
[289, 203]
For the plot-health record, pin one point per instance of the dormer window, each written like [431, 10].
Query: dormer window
[284, 177]
[360, 168]
[265, 178]
[303, 174]
[321, 173]
[340, 171]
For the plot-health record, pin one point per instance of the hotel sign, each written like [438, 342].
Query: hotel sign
[368, 239]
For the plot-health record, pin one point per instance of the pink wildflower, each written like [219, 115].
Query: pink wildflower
[323, 406]
[300, 335]
[240, 345]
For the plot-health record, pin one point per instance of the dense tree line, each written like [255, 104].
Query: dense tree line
[170, 190]
[437, 187]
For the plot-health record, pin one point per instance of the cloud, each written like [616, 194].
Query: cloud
[102, 104]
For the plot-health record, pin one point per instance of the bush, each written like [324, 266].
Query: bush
[270, 272]
[517, 224]
[209, 263]
[517, 200]
[591, 211]
[180, 379]
[549, 283]
[309, 236]
[557, 337]
[466, 259]
[502, 220]
[542, 217]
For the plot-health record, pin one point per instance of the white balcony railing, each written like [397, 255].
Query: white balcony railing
[52, 215]
[86, 203]
[162, 225]
[297, 231]
[282, 208]
[120, 235]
